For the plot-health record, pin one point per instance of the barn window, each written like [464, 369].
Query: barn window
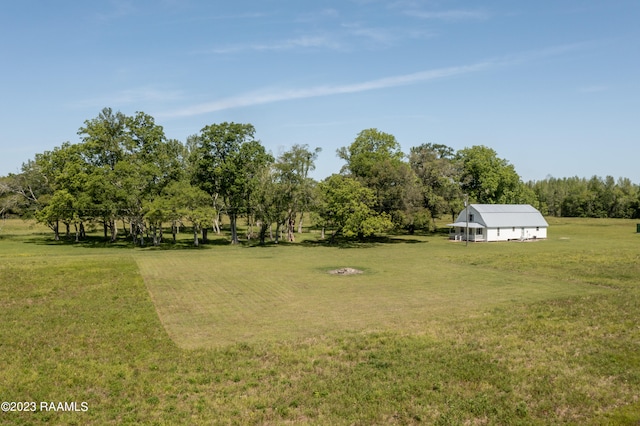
[498, 232]
[471, 217]
[514, 229]
[537, 228]
[479, 231]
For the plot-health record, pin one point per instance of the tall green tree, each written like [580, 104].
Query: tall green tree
[376, 160]
[69, 175]
[369, 148]
[269, 204]
[133, 161]
[489, 179]
[295, 187]
[227, 163]
[184, 200]
[439, 176]
[347, 206]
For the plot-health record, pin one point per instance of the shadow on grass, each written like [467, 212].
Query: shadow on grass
[347, 243]
[98, 241]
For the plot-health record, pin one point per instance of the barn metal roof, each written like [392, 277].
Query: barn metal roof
[504, 215]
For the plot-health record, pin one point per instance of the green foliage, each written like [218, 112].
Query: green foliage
[347, 206]
[228, 162]
[489, 179]
[439, 175]
[370, 147]
[375, 160]
[120, 170]
[595, 197]
[295, 188]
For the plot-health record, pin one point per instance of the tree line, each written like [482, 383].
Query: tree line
[126, 176]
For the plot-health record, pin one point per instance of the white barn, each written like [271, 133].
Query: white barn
[499, 222]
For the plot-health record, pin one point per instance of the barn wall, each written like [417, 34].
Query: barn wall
[507, 234]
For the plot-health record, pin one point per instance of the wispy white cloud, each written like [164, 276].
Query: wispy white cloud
[379, 36]
[306, 42]
[449, 15]
[532, 55]
[318, 16]
[265, 97]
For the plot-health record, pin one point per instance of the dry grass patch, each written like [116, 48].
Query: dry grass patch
[345, 271]
[209, 298]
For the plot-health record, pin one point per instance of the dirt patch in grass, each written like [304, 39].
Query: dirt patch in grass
[345, 271]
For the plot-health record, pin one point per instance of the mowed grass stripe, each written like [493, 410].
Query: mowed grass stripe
[214, 297]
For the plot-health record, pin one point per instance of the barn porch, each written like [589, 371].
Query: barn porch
[477, 232]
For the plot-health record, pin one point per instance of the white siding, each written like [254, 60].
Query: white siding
[506, 234]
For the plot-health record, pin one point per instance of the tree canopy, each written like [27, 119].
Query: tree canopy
[124, 170]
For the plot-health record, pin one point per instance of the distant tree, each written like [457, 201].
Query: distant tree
[439, 176]
[376, 161]
[594, 197]
[132, 162]
[183, 200]
[369, 148]
[269, 204]
[489, 179]
[227, 163]
[7, 198]
[347, 207]
[627, 200]
[294, 186]
[104, 138]
[69, 176]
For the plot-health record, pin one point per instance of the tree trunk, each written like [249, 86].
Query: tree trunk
[195, 236]
[216, 219]
[114, 230]
[291, 224]
[205, 232]
[83, 234]
[322, 233]
[277, 232]
[234, 230]
[263, 232]
[154, 230]
[249, 228]
[105, 227]
[56, 232]
[174, 227]
[77, 232]
[300, 223]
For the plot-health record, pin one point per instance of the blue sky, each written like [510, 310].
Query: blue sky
[552, 86]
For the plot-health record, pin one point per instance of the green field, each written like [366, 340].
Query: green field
[431, 332]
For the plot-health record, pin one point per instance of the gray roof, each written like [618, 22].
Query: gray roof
[505, 215]
[464, 225]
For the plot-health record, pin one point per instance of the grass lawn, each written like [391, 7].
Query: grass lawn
[431, 332]
[215, 297]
